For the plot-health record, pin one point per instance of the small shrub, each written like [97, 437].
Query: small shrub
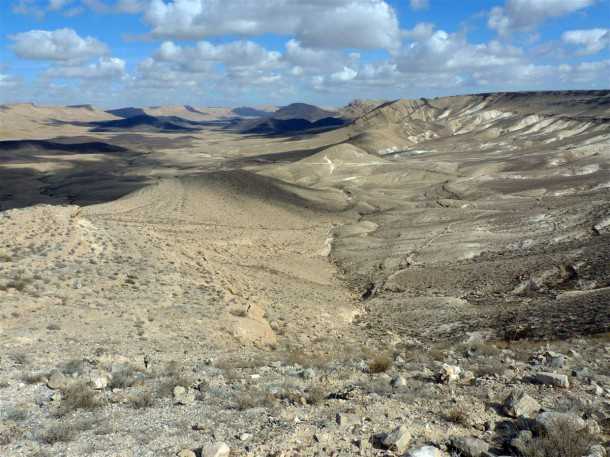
[34, 378]
[316, 395]
[457, 416]
[10, 433]
[380, 364]
[239, 312]
[15, 414]
[53, 327]
[141, 400]
[73, 367]
[20, 358]
[255, 398]
[78, 396]
[123, 378]
[58, 433]
[562, 440]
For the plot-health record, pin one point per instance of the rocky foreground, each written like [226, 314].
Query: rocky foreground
[473, 400]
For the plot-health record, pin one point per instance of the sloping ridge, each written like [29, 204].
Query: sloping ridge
[245, 194]
[145, 122]
[546, 116]
[90, 147]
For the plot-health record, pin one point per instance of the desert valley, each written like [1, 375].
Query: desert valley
[423, 277]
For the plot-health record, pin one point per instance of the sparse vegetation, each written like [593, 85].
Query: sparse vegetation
[254, 398]
[123, 378]
[60, 432]
[457, 416]
[380, 363]
[78, 396]
[141, 400]
[564, 439]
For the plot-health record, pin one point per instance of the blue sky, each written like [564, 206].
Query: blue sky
[235, 52]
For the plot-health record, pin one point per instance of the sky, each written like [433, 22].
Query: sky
[114, 53]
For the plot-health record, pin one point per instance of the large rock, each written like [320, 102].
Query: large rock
[347, 420]
[398, 440]
[449, 373]
[553, 422]
[519, 404]
[98, 380]
[398, 381]
[552, 379]
[425, 451]
[469, 446]
[186, 453]
[216, 450]
[57, 380]
[183, 396]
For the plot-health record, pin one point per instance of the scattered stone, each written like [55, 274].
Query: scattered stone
[449, 373]
[186, 453]
[322, 437]
[583, 372]
[469, 446]
[308, 373]
[57, 380]
[347, 420]
[425, 451]
[98, 381]
[398, 440]
[519, 404]
[183, 396]
[555, 359]
[596, 390]
[597, 450]
[245, 436]
[398, 381]
[216, 450]
[552, 379]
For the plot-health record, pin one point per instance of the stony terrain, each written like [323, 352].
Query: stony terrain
[431, 279]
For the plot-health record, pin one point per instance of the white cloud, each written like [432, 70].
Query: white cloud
[8, 80]
[234, 55]
[525, 15]
[347, 74]
[310, 60]
[62, 44]
[586, 72]
[104, 68]
[314, 23]
[443, 51]
[421, 31]
[28, 7]
[590, 41]
[55, 5]
[419, 4]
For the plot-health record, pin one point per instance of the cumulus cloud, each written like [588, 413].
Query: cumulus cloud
[419, 4]
[8, 81]
[105, 68]
[321, 24]
[237, 54]
[62, 44]
[442, 51]
[586, 72]
[589, 41]
[525, 15]
[58, 4]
